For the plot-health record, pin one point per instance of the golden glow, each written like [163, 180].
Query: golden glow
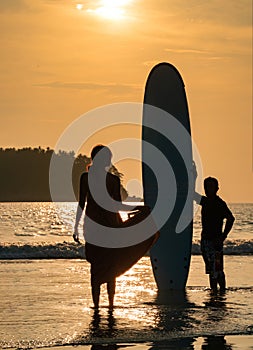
[79, 6]
[105, 61]
[110, 9]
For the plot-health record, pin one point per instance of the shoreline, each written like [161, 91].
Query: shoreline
[220, 341]
[71, 250]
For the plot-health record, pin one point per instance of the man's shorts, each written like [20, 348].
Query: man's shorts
[213, 259]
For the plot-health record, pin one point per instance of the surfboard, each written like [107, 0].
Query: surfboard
[171, 254]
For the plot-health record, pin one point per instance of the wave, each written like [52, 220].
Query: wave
[65, 250]
[69, 250]
[235, 247]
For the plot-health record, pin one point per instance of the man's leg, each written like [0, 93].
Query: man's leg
[222, 281]
[213, 282]
[208, 253]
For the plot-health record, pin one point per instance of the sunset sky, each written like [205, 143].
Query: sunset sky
[62, 58]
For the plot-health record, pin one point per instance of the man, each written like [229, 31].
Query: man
[214, 212]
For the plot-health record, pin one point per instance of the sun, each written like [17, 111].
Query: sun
[110, 9]
[79, 6]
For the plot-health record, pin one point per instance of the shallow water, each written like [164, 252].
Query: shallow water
[29, 222]
[48, 303]
[44, 230]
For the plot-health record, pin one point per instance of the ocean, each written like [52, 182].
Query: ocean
[45, 298]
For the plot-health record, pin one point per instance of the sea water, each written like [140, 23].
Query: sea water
[44, 230]
[46, 302]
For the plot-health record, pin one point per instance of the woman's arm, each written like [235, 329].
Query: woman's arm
[119, 206]
[83, 190]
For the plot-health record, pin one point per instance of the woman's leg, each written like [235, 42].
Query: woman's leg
[111, 291]
[95, 290]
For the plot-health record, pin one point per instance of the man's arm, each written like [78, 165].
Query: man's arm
[196, 196]
[229, 224]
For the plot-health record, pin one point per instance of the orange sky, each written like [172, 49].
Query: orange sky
[58, 62]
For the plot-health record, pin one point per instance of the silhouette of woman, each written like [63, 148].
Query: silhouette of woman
[106, 263]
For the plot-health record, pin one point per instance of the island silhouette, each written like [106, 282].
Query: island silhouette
[24, 175]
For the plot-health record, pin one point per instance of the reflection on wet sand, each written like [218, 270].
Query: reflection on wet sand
[103, 327]
[216, 309]
[215, 343]
[172, 312]
[105, 347]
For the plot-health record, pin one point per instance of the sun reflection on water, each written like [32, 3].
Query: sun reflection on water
[133, 289]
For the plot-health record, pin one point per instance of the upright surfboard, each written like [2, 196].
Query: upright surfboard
[170, 256]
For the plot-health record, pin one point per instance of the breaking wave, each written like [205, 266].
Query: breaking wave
[69, 250]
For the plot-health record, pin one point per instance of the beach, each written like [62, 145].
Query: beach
[165, 89]
[46, 303]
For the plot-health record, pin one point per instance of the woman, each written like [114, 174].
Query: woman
[101, 190]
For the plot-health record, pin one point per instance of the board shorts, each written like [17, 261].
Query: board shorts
[109, 263]
[213, 258]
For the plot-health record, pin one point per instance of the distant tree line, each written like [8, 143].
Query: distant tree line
[24, 173]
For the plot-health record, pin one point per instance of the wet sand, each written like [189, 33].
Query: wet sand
[232, 342]
[47, 303]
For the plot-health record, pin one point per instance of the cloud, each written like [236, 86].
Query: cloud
[13, 5]
[109, 87]
[190, 51]
[202, 54]
[225, 13]
[230, 12]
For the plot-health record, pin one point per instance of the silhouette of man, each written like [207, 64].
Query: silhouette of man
[214, 212]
